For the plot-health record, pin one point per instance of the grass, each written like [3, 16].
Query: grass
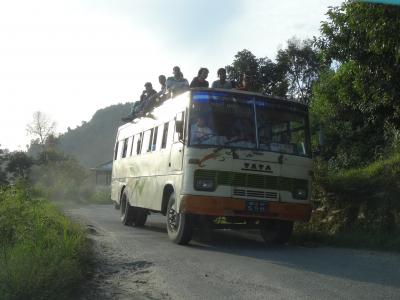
[357, 208]
[43, 255]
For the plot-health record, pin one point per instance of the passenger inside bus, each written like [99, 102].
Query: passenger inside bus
[201, 133]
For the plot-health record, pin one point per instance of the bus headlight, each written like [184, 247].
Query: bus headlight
[204, 184]
[300, 193]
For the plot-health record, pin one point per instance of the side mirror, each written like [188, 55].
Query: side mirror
[179, 129]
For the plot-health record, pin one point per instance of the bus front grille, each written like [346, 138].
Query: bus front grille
[251, 181]
[255, 194]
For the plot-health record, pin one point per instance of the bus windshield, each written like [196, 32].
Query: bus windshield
[249, 122]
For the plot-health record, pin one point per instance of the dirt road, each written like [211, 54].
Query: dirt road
[141, 263]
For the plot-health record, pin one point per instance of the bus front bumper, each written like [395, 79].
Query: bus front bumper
[227, 206]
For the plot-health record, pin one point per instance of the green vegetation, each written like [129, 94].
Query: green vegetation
[43, 255]
[349, 78]
[358, 207]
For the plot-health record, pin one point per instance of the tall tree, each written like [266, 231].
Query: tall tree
[247, 63]
[301, 64]
[367, 36]
[41, 127]
[263, 75]
[357, 102]
[3, 175]
[272, 78]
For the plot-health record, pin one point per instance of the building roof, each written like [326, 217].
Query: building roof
[107, 166]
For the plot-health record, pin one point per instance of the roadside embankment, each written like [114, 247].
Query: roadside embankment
[43, 255]
[356, 207]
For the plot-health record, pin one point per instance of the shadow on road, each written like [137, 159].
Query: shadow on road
[357, 265]
[347, 264]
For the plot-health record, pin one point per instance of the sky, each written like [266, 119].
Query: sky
[70, 58]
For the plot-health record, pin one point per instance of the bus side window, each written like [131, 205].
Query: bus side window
[132, 145]
[154, 144]
[164, 136]
[150, 139]
[145, 142]
[171, 129]
[139, 143]
[125, 148]
[179, 117]
[116, 151]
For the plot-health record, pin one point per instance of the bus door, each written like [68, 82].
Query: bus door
[176, 154]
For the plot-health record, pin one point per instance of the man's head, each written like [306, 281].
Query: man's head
[177, 72]
[148, 86]
[202, 74]
[221, 74]
[162, 79]
[200, 121]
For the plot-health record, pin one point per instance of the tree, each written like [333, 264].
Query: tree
[363, 91]
[296, 69]
[3, 159]
[301, 64]
[19, 164]
[247, 63]
[41, 127]
[272, 78]
[264, 76]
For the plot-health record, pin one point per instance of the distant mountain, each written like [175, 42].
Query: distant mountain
[92, 143]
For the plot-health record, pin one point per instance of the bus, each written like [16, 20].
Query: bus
[225, 158]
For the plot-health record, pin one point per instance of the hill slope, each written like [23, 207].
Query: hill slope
[92, 143]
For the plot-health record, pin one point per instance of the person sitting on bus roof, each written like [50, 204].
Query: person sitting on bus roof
[200, 80]
[221, 83]
[162, 94]
[163, 82]
[139, 106]
[243, 84]
[200, 133]
[148, 99]
[148, 92]
[177, 84]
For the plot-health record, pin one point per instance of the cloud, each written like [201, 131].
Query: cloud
[70, 58]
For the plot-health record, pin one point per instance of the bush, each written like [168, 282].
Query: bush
[42, 253]
[357, 207]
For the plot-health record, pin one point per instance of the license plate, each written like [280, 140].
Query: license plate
[256, 207]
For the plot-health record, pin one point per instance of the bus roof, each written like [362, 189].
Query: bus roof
[230, 91]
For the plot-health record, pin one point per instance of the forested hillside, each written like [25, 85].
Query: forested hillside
[92, 143]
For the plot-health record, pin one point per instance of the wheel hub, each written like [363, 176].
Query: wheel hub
[173, 221]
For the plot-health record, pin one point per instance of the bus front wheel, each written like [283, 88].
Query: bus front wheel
[179, 225]
[276, 231]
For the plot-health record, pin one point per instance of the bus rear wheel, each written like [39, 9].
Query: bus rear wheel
[140, 217]
[127, 211]
[276, 231]
[179, 225]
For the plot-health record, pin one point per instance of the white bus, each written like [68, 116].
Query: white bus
[222, 157]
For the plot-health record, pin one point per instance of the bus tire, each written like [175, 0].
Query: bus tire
[140, 217]
[116, 205]
[127, 211]
[276, 231]
[179, 225]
